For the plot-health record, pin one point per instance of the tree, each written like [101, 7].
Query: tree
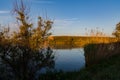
[41, 33]
[116, 33]
[25, 55]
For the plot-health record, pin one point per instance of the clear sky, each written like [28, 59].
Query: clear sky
[71, 17]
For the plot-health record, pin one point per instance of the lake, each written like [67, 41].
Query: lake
[69, 59]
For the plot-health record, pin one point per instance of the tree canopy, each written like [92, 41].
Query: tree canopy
[116, 33]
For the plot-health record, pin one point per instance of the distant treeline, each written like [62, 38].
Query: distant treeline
[78, 41]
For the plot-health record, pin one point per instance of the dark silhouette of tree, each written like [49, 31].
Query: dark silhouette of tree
[24, 54]
[116, 33]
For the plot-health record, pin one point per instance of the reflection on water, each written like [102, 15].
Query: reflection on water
[61, 46]
[69, 59]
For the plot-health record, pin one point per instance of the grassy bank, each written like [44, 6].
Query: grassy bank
[108, 69]
[102, 62]
[97, 52]
[78, 41]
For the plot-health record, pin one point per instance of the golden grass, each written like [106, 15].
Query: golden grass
[79, 40]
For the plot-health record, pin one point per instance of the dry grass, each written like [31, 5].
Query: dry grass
[79, 41]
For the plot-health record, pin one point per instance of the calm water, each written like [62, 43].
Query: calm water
[69, 59]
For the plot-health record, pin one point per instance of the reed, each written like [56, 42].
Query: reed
[94, 53]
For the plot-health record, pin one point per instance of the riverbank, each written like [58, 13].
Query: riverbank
[108, 69]
[77, 41]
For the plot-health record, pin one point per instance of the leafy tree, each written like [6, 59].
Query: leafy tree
[41, 33]
[24, 54]
[116, 33]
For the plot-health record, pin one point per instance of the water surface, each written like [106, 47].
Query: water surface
[69, 59]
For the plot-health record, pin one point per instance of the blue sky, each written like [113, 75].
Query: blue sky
[71, 17]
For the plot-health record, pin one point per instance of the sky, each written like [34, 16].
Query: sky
[70, 17]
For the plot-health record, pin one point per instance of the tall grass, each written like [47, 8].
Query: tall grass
[93, 36]
[97, 52]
